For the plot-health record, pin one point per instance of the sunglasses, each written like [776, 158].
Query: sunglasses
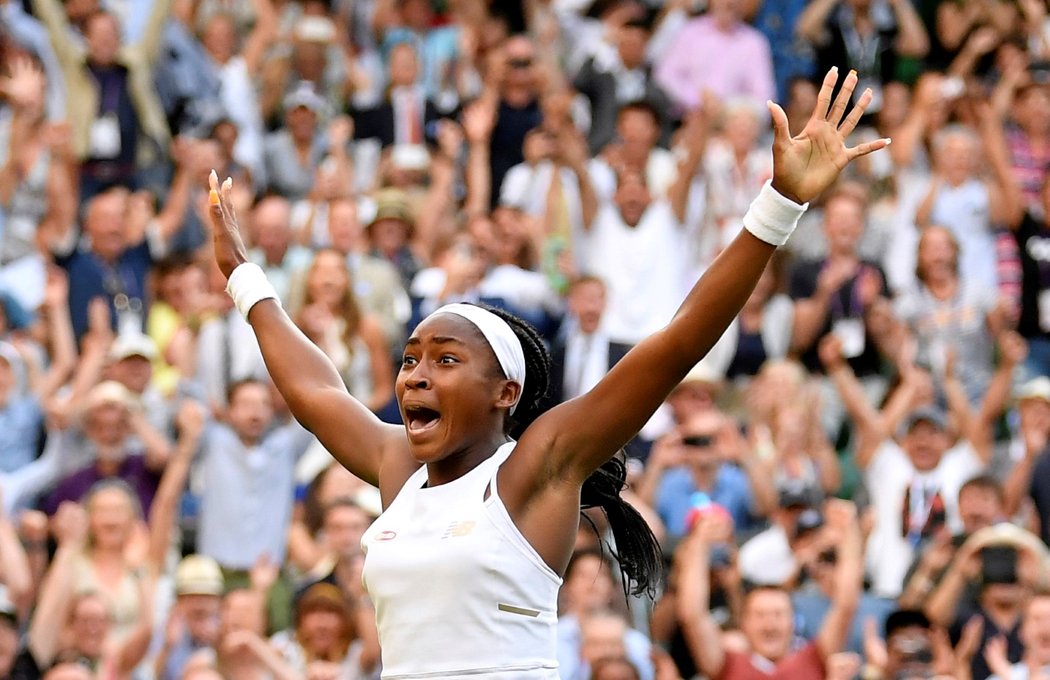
[520, 63]
[700, 441]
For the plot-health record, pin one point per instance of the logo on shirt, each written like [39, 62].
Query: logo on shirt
[457, 529]
[386, 536]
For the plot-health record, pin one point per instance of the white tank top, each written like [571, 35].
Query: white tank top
[458, 591]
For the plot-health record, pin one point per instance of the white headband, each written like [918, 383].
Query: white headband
[501, 339]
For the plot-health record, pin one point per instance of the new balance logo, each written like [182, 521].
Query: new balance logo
[457, 529]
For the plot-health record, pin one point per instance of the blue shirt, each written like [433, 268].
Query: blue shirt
[811, 606]
[90, 277]
[19, 432]
[731, 490]
[246, 503]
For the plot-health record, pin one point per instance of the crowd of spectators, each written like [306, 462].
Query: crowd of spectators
[854, 483]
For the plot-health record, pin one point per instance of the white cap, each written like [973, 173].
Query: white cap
[315, 29]
[1037, 388]
[108, 392]
[410, 157]
[132, 345]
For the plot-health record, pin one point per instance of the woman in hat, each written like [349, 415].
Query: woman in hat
[481, 491]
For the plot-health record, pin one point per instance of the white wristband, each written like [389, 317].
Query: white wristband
[772, 217]
[248, 285]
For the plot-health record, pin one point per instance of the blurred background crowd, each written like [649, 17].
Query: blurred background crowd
[854, 483]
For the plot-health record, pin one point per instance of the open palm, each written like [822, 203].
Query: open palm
[808, 163]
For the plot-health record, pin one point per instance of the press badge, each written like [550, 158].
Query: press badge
[1044, 311]
[850, 333]
[105, 136]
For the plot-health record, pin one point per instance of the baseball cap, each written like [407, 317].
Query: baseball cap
[392, 205]
[132, 345]
[926, 414]
[108, 392]
[702, 375]
[1037, 388]
[410, 157]
[315, 29]
[306, 96]
[198, 575]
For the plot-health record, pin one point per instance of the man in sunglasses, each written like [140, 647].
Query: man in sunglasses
[706, 454]
[518, 109]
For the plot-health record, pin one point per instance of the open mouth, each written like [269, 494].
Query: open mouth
[421, 419]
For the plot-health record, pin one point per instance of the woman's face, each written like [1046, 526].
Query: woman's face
[110, 518]
[589, 587]
[328, 280]
[450, 388]
[321, 632]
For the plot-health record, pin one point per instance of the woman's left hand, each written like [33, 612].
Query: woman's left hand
[810, 162]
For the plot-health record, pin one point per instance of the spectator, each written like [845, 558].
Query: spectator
[1006, 562]
[623, 229]
[248, 462]
[585, 354]
[405, 115]
[1036, 659]
[958, 200]
[951, 313]
[274, 249]
[293, 153]
[616, 75]
[887, 31]
[838, 295]
[718, 53]
[588, 628]
[706, 454]
[324, 635]
[914, 484]
[515, 89]
[113, 109]
[766, 620]
[116, 442]
[354, 341]
[377, 285]
[1028, 479]
[193, 623]
[124, 238]
[36, 191]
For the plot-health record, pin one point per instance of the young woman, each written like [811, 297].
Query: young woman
[482, 493]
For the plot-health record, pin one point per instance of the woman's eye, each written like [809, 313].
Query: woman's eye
[408, 361]
[447, 359]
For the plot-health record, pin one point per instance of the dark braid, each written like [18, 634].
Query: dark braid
[637, 550]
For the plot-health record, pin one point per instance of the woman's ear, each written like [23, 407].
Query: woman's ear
[508, 395]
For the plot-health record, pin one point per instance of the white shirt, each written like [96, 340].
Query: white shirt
[586, 362]
[227, 351]
[661, 171]
[645, 269]
[458, 591]
[888, 478]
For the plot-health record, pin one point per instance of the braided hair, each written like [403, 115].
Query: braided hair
[637, 550]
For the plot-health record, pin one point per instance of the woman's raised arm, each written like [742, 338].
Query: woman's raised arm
[306, 378]
[580, 435]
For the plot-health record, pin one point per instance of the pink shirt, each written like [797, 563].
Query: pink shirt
[733, 63]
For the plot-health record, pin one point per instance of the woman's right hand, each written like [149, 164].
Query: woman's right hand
[226, 233]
